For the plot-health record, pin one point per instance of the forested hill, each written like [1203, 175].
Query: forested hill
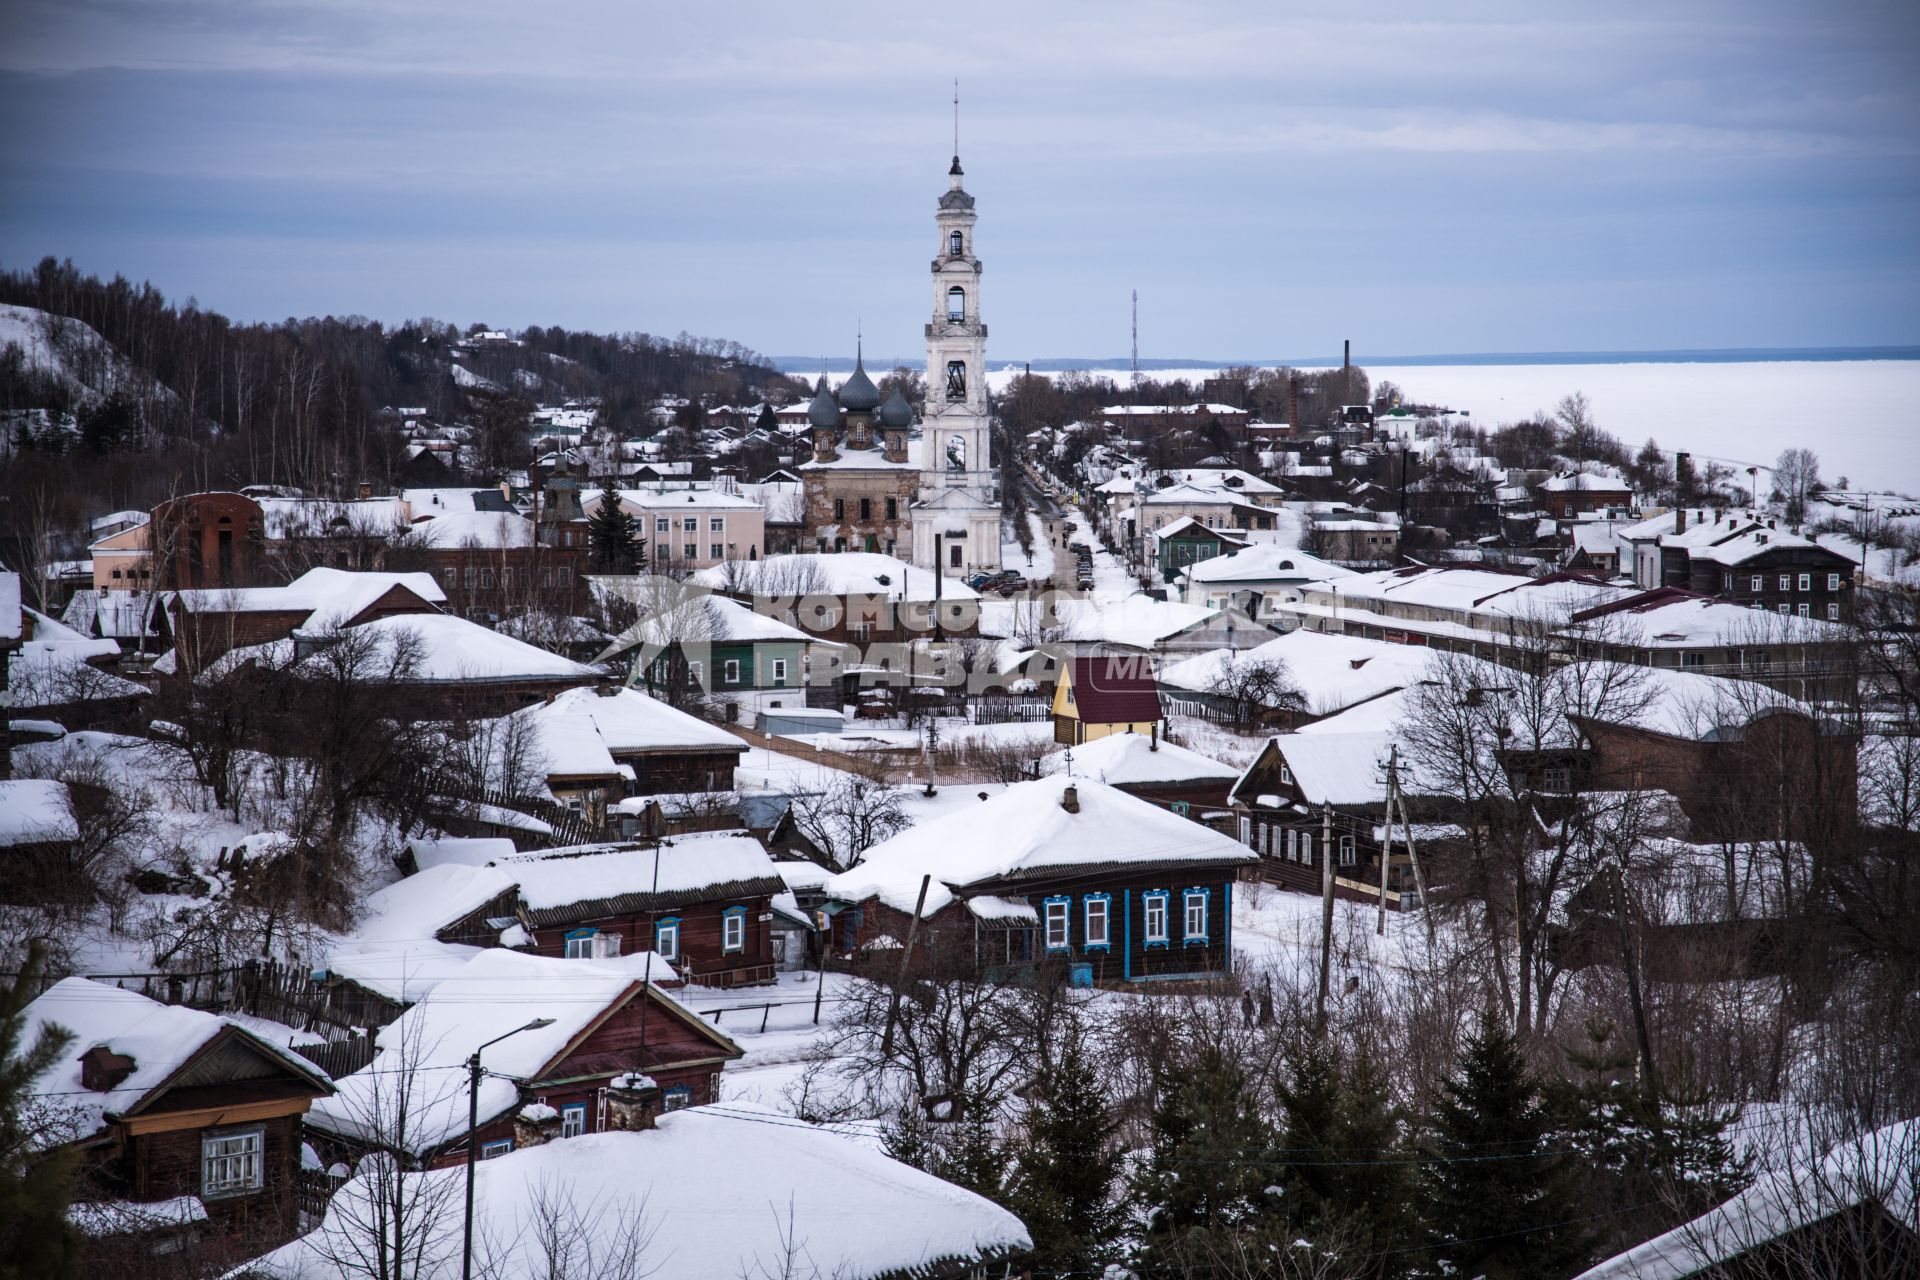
[297, 402]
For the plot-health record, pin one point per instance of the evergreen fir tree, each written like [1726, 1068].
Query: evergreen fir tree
[1499, 1200]
[1064, 1183]
[36, 1240]
[971, 1155]
[1203, 1194]
[613, 542]
[766, 421]
[909, 1139]
[1347, 1179]
[1637, 1149]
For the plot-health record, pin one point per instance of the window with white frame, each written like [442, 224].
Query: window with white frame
[690, 524]
[1286, 775]
[1059, 924]
[1096, 926]
[232, 1162]
[579, 944]
[1806, 582]
[494, 1150]
[716, 524]
[678, 1098]
[1306, 847]
[1786, 582]
[1806, 610]
[1346, 851]
[1155, 930]
[732, 670]
[666, 938]
[733, 929]
[715, 550]
[1194, 903]
[1756, 582]
[573, 1119]
[1246, 827]
[1833, 613]
[779, 670]
[1293, 845]
[662, 524]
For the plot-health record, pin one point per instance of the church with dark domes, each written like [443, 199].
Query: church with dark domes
[860, 487]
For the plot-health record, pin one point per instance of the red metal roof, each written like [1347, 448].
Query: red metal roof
[1115, 690]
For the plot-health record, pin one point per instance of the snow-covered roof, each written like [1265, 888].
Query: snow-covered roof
[1264, 562]
[627, 876]
[732, 1189]
[845, 573]
[35, 811]
[1671, 621]
[1879, 1168]
[666, 499]
[581, 730]
[439, 502]
[160, 1038]
[329, 597]
[464, 851]
[452, 649]
[1585, 482]
[495, 991]
[393, 951]
[1333, 671]
[1134, 759]
[316, 517]
[10, 623]
[1136, 622]
[1026, 831]
[482, 530]
[54, 668]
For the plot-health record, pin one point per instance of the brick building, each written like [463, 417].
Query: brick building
[859, 487]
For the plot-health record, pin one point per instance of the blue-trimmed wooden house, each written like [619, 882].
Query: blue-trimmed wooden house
[1060, 870]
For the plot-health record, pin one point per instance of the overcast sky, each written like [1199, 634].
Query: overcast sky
[1271, 178]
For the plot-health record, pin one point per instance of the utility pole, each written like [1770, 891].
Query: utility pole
[1386, 837]
[906, 954]
[933, 743]
[1413, 856]
[1326, 915]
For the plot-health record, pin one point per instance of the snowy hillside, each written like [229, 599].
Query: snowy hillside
[70, 352]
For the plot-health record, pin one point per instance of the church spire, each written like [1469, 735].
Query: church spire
[955, 172]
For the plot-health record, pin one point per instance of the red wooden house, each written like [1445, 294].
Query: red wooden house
[598, 1020]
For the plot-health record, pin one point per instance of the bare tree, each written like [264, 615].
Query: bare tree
[850, 816]
[1796, 478]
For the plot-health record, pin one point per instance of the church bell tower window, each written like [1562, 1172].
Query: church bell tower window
[956, 379]
[956, 303]
[955, 245]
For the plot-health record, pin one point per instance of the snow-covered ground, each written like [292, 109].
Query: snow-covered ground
[1039, 566]
[1111, 581]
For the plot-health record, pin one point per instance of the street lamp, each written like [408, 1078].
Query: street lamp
[473, 1135]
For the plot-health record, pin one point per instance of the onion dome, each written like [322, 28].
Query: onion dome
[859, 395]
[896, 412]
[824, 411]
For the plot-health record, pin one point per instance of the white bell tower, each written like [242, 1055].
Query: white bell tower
[957, 520]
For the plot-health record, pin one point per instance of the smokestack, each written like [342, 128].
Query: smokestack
[1070, 799]
[1293, 405]
[1346, 354]
[1680, 520]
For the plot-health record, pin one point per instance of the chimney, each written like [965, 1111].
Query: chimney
[1153, 742]
[1680, 520]
[632, 1101]
[1070, 799]
[102, 1070]
[1346, 354]
[536, 1125]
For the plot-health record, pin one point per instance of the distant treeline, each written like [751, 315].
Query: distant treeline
[296, 402]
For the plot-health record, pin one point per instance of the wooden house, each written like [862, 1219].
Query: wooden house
[207, 623]
[598, 1020]
[38, 834]
[1058, 871]
[599, 746]
[1098, 695]
[186, 1124]
[1317, 794]
[1172, 777]
[701, 902]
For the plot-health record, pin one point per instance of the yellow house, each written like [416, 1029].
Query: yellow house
[1103, 695]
